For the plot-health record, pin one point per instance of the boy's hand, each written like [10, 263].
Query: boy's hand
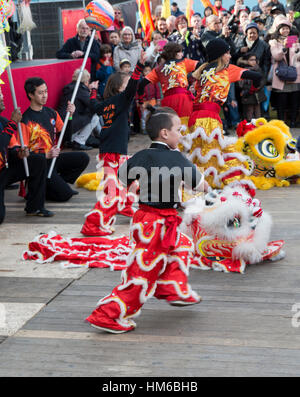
[23, 152]
[94, 85]
[16, 115]
[143, 57]
[53, 152]
[71, 108]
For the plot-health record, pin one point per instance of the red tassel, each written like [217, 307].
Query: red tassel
[22, 190]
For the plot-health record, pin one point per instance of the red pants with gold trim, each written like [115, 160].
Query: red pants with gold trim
[153, 270]
[113, 198]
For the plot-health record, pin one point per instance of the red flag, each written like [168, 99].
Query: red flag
[146, 18]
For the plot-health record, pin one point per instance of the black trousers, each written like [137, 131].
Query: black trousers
[36, 183]
[287, 101]
[68, 167]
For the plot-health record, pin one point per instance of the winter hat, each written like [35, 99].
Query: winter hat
[280, 20]
[123, 61]
[251, 25]
[216, 48]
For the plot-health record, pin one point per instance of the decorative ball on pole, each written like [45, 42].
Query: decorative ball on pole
[99, 15]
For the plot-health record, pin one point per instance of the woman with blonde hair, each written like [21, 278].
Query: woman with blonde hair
[128, 48]
[79, 132]
[205, 142]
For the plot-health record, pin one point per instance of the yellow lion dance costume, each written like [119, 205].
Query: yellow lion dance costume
[272, 156]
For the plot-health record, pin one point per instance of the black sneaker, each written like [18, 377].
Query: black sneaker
[78, 146]
[42, 212]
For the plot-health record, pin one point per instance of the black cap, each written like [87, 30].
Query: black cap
[216, 48]
[259, 20]
[275, 8]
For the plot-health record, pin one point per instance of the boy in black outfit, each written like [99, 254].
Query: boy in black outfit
[159, 263]
[40, 126]
[12, 167]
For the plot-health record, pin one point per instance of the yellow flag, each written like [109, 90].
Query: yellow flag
[166, 10]
[189, 10]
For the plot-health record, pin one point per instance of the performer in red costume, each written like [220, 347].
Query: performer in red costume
[112, 197]
[172, 73]
[158, 265]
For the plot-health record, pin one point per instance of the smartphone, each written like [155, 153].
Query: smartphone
[161, 44]
[291, 40]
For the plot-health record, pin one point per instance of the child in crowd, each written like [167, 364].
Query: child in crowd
[104, 67]
[152, 96]
[125, 66]
[114, 39]
[251, 97]
[159, 263]
[112, 199]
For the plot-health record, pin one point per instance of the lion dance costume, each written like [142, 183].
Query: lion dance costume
[163, 276]
[204, 140]
[112, 198]
[271, 152]
[230, 230]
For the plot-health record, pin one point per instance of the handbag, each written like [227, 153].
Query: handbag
[285, 72]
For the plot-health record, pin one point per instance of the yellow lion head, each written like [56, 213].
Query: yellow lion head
[272, 150]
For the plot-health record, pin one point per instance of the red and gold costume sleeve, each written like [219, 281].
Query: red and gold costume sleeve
[59, 123]
[152, 77]
[10, 130]
[8, 139]
[190, 65]
[235, 73]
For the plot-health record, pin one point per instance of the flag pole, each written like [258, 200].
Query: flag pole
[61, 135]
[13, 94]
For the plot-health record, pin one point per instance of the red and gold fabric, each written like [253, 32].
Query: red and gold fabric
[38, 138]
[146, 18]
[217, 254]
[204, 140]
[214, 87]
[174, 82]
[113, 197]
[93, 252]
[158, 266]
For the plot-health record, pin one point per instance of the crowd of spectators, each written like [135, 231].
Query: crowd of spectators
[264, 39]
[259, 39]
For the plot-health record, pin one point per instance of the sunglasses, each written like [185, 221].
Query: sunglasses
[117, 12]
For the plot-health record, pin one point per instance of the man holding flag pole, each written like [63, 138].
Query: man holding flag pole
[5, 27]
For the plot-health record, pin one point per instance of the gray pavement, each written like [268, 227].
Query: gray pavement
[247, 325]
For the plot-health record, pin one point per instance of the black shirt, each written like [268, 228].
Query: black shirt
[114, 110]
[160, 172]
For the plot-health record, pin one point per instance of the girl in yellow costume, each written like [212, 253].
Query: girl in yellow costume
[205, 142]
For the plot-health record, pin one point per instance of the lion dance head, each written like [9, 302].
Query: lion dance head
[271, 152]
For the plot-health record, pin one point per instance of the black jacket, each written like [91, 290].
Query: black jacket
[262, 51]
[192, 46]
[115, 112]
[209, 35]
[247, 96]
[73, 44]
[83, 114]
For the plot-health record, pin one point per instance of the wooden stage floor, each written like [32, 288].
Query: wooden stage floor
[243, 327]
